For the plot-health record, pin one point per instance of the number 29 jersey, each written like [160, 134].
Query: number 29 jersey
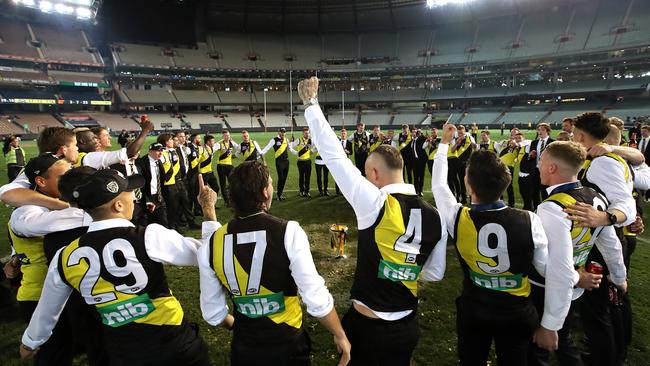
[495, 248]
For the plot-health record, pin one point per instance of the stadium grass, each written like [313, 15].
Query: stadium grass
[437, 344]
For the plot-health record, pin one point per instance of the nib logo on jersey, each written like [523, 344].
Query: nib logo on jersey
[500, 283]
[398, 272]
[261, 305]
[126, 311]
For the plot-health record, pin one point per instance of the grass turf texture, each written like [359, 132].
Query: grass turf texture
[437, 344]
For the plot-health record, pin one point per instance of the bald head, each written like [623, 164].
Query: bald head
[384, 166]
[561, 162]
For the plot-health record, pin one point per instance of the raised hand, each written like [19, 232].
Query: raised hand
[308, 89]
[448, 132]
[207, 197]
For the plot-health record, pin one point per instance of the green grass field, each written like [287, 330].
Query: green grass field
[437, 345]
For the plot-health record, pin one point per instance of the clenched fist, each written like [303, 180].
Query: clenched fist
[308, 89]
[448, 131]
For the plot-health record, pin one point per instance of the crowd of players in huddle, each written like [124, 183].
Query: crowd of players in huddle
[93, 228]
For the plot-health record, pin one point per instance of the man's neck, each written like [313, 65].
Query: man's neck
[554, 180]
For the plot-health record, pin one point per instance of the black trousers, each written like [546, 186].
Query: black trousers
[360, 161]
[430, 166]
[452, 177]
[511, 328]
[525, 190]
[409, 165]
[224, 172]
[211, 180]
[460, 173]
[171, 197]
[168, 346]
[13, 171]
[282, 167]
[378, 342]
[536, 188]
[322, 177]
[511, 187]
[193, 193]
[292, 353]
[418, 174]
[186, 216]
[567, 353]
[304, 175]
[59, 348]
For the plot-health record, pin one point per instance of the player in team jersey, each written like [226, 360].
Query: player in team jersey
[249, 149]
[498, 248]
[432, 145]
[401, 240]
[569, 247]
[302, 147]
[118, 269]
[281, 146]
[226, 148]
[205, 162]
[271, 257]
[63, 143]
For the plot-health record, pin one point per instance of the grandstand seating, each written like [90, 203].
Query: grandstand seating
[372, 118]
[408, 118]
[65, 44]
[7, 127]
[135, 54]
[196, 97]
[482, 116]
[80, 120]
[77, 77]
[159, 118]
[26, 94]
[236, 97]
[37, 121]
[195, 120]
[196, 58]
[14, 36]
[335, 118]
[22, 74]
[241, 120]
[570, 110]
[519, 115]
[631, 110]
[234, 49]
[155, 96]
[81, 96]
[116, 122]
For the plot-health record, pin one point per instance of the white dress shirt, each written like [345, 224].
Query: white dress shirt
[366, 199]
[162, 245]
[642, 177]
[311, 286]
[609, 176]
[561, 276]
[239, 153]
[449, 207]
[34, 221]
[269, 146]
[155, 172]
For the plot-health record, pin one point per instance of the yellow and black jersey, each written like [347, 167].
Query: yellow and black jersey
[495, 247]
[509, 155]
[171, 166]
[205, 159]
[404, 142]
[585, 168]
[193, 158]
[487, 146]
[249, 151]
[304, 149]
[393, 251]
[374, 142]
[465, 149]
[250, 260]
[226, 149]
[433, 148]
[281, 147]
[361, 142]
[33, 264]
[111, 270]
[16, 156]
[80, 160]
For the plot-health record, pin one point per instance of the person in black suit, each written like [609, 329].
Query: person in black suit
[186, 216]
[153, 205]
[644, 142]
[420, 158]
[347, 147]
[537, 146]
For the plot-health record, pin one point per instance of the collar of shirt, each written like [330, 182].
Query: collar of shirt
[498, 205]
[110, 223]
[398, 188]
[152, 160]
[563, 187]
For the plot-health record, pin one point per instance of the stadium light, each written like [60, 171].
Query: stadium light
[437, 3]
[63, 9]
[84, 13]
[45, 6]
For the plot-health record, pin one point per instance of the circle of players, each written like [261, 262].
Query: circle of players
[92, 229]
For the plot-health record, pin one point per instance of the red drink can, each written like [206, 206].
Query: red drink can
[595, 268]
[143, 118]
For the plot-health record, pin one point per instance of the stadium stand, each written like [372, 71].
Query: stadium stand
[241, 120]
[196, 97]
[270, 49]
[372, 118]
[14, 38]
[155, 96]
[336, 119]
[77, 77]
[36, 121]
[8, 127]
[26, 94]
[80, 95]
[235, 97]
[581, 86]
[629, 110]
[195, 120]
[409, 94]
[307, 50]
[80, 120]
[164, 121]
[65, 44]
[524, 115]
[409, 118]
[141, 55]
[482, 116]
[570, 110]
[234, 50]
[23, 74]
[114, 121]
[194, 58]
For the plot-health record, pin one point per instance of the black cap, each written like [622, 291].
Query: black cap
[156, 146]
[103, 186]
[39, 165]
[282, 129]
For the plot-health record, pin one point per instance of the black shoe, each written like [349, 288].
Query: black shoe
[307, 195]
[326, 194]
[282, 198]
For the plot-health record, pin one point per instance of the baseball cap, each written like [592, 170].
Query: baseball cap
[39, 165]
[156, 146]
[103, 186]
[282, 129]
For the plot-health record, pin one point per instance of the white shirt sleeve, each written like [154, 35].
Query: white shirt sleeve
[257, 147]
[47, 313]
[214, 306]
[169, 247]
[311, 285]
[104, 159]
[445, 200]
[610, 247]
[434, 267]
[560, 272]
[540, 255]
[641, 177]
[609, 175]
[21, 181]
[366, 199]
[268, 147]
[32, 221]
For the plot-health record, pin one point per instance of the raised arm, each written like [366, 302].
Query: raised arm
[133, 149]
[445, 200]
[630, 154]
[365, 198]
[17, 194]
[268, 147]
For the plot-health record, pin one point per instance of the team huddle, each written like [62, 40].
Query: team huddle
[93, 229]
